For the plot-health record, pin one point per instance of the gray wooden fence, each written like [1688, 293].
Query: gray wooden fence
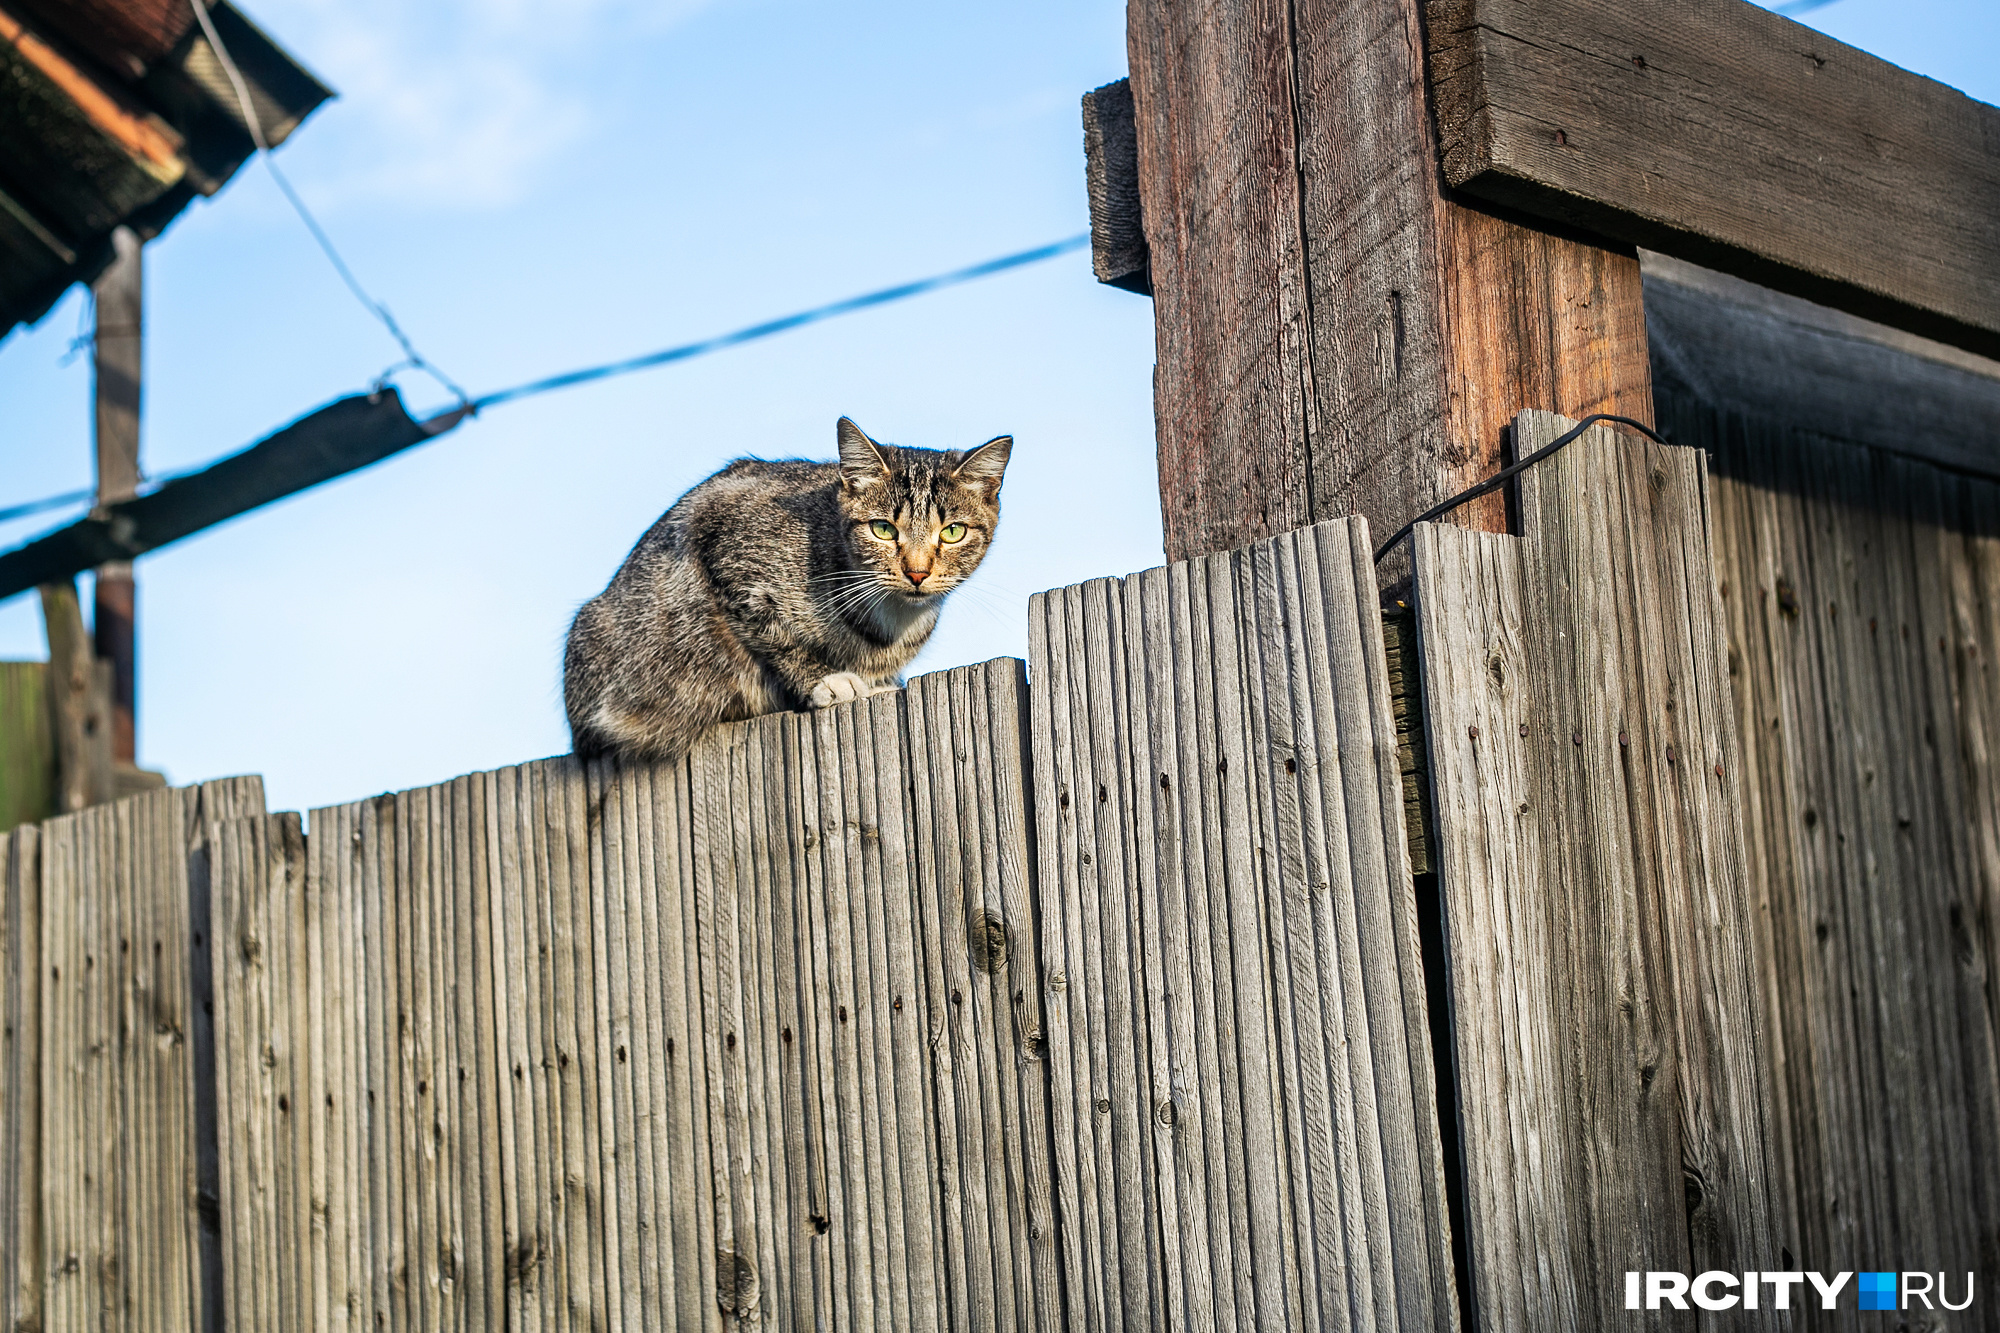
[1101, 1004]
[1245, 1124]
[106, 1192]
[752, 1038]
[1862, 596]
[1599, 936]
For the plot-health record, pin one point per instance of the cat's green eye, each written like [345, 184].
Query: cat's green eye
[953, 532]
[884, 529]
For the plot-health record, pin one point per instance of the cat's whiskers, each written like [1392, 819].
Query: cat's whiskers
[869, 593]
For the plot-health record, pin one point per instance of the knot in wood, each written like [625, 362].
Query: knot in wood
[736, 1279]
[991, 942]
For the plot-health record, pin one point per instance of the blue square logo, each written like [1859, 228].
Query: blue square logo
[1878, 1291]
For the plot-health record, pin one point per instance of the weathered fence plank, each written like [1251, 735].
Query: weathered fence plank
[1240, 1060]
[970, 836]
[1597, 920]
[1862, 600]
[99, 1113]
[21, 1166]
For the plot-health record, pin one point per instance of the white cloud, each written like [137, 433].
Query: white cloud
[450, 102]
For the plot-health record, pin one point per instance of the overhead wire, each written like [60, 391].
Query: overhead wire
[755, 331]
[254, 124]
[685, 351]
[47, 502]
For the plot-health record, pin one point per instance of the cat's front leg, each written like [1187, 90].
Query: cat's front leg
[842, 687]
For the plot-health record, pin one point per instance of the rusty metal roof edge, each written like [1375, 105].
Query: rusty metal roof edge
[281, 87]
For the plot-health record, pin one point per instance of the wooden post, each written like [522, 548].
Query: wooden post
[79, 704]
[120, 292]
[1338, 332]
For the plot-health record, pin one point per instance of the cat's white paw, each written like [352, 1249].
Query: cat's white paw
[839, 688]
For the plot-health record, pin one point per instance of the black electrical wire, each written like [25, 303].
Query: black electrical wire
[412, 357]
[62, 501]
[1500, 478]
[444, 421]
[765, 330]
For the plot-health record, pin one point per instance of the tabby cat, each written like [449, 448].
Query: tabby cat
[778, 585]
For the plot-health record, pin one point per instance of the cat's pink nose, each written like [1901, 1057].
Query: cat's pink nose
[917, 576]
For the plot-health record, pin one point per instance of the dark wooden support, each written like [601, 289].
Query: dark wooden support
[1732, 137]
[1741, 348]
[120, 293]
[1337, 332]
[346, 434]
[1111, 158]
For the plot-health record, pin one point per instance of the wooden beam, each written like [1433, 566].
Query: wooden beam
[119, 342]
[1338, 334]
[1732, 137]
[1111, 172]
[337, 439]
[1738, 347]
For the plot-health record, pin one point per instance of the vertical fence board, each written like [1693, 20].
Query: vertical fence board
[794, 1184]
[22, 1181]
[770, 867]
[1597, 917]
[1211, 1125]
[1860, 594]
[241, 916]
[997, 729]
[1066, 1018]
[618, 847]
[1219, 804]
[976, 1285]
[523, 1235]
[963, 1267]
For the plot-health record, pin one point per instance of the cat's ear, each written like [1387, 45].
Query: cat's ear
[987, 464]
[861, 462]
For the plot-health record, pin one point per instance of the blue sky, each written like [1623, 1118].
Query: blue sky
[536, 187]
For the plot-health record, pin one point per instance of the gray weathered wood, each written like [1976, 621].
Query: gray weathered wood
[117, 1231]
[1860, 593]
[1728, 135]
[79, 704]
[681, 1046]
[1227, 903]
[1111, 172]
[1598, 926]
[984, 970]
[1747, 349]
[21, 1166]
